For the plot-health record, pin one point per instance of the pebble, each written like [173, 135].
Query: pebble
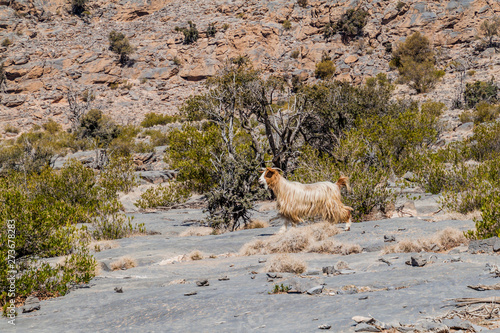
[119, 290]
[202, 283]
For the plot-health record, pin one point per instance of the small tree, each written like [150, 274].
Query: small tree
[415, 62]
[211, 30]
[490, 29]
[350, 25]
[325, 68]
[190, 35]
[120, 44]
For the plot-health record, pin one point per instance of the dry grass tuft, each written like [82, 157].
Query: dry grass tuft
[284, 263]
[196, 255]
[456, 216]
[123, 263]
[257, 224]
[311, 238]
[197, 231]
[99, 246]
[445, 240]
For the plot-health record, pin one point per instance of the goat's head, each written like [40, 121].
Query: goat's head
[269, 177]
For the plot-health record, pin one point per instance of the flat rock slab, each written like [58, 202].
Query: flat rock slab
[161, 294]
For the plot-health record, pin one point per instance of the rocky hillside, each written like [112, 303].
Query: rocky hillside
[53, 52]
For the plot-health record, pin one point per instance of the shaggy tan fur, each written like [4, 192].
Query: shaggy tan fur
[296, 201]
[123, 263]
[446, 239]
[311, 238]
[283, 263]
[197, 231]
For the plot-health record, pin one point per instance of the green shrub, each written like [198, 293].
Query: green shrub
[94, 124]
[191, 34]
[177, 61]
[325, 69]
[466, 116]
[211, 30]
[165, 195]
[190, 152]
[486, 112]
[287, 25]
[119, 44]
[6, 42]
[485, 143]
[295, 54]
[11, 129]
[480, 91]
[432, 109]
[489, 224]
[415, 62]
[151, 119]
[52, 127]
[490, 29]
[350, 25]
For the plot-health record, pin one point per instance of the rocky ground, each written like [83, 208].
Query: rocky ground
[53, 52]
[365, 292]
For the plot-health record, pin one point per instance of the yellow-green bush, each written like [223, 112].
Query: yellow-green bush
[325, 69]
[151, 119]
[164, 195]
[480, 91]
[190, 151]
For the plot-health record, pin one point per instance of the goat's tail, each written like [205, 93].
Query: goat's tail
[344, 181]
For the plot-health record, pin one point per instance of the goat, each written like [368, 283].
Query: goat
[296, 201]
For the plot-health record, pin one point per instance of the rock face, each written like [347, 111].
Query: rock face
[53, 52]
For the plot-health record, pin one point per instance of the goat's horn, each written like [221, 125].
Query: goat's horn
[278, 169]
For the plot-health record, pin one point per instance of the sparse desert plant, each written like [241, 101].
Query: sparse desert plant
[225, 26]
[191, 34]
[51, 126]
[284, 263]
[78, 7]
[177, 61]
[256, 224]
[98, 246]
[279, 289]
[196, 255]
[164, 195]
[400, 5]
[211, 30]
[123, 263]
[350, 25]
[119, 44]
[490, 29]
[489, 223]
[6, 42]
[486, 112]
[287, 25]
[197, 231]
[295, 54]
[480, 91]
[441, 241]
[11, 129]
[151, 119]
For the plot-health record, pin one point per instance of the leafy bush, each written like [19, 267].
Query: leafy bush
[94, 124]
[191, 34]
[119, 44]
[480, 91]
[350, 25]
[415, 62]
[325, 69]
[51, 126]
[486, 112]
[211, 30]
[164, 195]
[151, 119]
[485, 143]
[190, 151]
[489, 224]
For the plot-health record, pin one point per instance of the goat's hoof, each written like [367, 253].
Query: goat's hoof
[347, 228]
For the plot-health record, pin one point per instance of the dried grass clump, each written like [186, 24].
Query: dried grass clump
[329, 246]
[196, 255]
[197, 231]
[123, 263]
[311, 238]
[456, 216]
[283, 263]
[257, 224]
[99, 246]
[445, 239]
